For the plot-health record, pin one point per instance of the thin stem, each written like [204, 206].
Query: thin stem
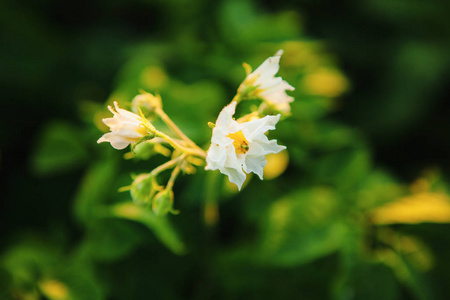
[177, 130]
[173, 176]
[192, 151]
[195, 161]
[167, 165]
[173, 126]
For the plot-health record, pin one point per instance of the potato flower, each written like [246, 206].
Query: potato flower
[237, 148]
[126, 128]
[263, 83]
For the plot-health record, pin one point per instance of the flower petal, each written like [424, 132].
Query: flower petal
[233, 160]
[268, 69]
[235, 176]
[254, 128]
[272, 147]
[255, 164]
[216, 157]
[226, 115]
[117, 142]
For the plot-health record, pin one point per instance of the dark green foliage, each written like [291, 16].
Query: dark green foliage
[355, 142]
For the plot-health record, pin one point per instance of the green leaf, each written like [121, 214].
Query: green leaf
[110, 239]
[416, 281]
[301, 227]
[160, 225]
[378, 189]
[344, 168]
[59, 149]
[95, 187]
[38, 268]
[27, 261]
[241, 23]
[368, 281]
[331, 136]
[193, 115]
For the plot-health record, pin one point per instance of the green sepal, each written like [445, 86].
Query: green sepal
[162, 203]
[143, 189]
[247, 92]
[145, 138]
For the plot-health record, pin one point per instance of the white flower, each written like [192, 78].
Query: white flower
[263, 83]
[238, 148]
[126, 128]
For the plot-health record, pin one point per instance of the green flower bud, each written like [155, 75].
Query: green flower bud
[147, 103]
[141, 151]
[142, 189]
[162, 203]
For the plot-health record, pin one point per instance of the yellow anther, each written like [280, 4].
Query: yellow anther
[240, 143]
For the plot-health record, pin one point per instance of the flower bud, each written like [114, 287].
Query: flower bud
[126, 128]
[146, 102]
[162, 203]
[142, 189]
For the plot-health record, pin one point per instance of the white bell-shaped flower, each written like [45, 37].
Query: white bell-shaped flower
[263, 83]
[126, 128]
[239, 148]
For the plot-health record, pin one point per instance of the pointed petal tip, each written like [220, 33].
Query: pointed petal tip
[282, 148]
[239, 186]
[101, 140]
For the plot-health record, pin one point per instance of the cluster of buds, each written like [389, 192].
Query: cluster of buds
[238, 147]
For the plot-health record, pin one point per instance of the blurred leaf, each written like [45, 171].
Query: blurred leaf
[134, 75]
[37, 268]
[192, 106]
[110, 239]
[332, 136]
[408, 273]
[240, 278]
[417, 208]
[28, 261]
[378, 189]
[369, 281]
[59, 149]
[419, 283]
[344, 168]
[75, 281]
[95, 187]
[311, 107]
[301, 227]
[241, 23]
[161, 226]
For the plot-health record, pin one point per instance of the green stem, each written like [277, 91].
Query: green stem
[173, 126]
[191, 151]
[173, 176]
[167, 165]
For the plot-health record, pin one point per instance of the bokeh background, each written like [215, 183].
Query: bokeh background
[356, 208]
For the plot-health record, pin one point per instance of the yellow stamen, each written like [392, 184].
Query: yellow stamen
[142, 129]
[240, 143]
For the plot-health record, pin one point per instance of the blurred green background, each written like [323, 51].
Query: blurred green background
[356, 208]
